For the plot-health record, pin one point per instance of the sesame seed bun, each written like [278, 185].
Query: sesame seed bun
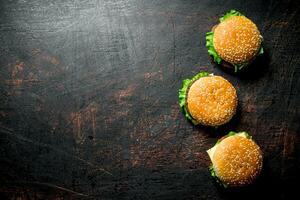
[211, 100]
[237, 160]
[237, 40]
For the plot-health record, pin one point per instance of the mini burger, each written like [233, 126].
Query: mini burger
[235, 41]
[208, 100]
[236, 160]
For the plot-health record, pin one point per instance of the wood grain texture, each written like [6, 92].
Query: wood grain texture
[88, 99]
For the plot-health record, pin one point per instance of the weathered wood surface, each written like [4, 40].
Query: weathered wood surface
[88, 99]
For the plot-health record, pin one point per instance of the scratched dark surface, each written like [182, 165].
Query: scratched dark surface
[88, 99]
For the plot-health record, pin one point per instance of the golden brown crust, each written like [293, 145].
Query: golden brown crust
[212, 100]
[237, 40]
[237, 161]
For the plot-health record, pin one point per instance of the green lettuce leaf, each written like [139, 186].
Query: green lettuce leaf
[213, 174]
[232, 133]
[261, 50]
[210, 45]
[183, 95]
[229, 14]
[238, 67]
[211, 49]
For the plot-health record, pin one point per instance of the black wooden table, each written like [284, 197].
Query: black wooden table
[89, 99]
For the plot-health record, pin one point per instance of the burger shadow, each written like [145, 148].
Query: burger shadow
[220, 131]
[265, 187]
[256, 70]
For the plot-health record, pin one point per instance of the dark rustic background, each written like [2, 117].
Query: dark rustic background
[88, 99]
